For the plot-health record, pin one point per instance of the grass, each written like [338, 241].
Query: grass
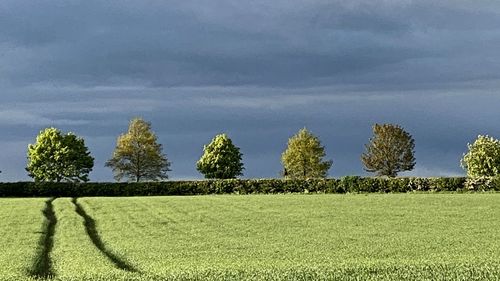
[74, 256]
[264, 237]
[21, 228]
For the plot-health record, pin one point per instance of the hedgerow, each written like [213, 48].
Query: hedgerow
[349, 184]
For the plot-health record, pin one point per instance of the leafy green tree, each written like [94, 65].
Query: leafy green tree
[483, 158]
[221, 159]
[58, 157]
[390, 151]
[303, 158]
[138, 156]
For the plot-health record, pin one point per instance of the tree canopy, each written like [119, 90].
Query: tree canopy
[390, 151]
[221, 159]
[138, 155]
[304, 157]
[58, 157]
[483, 157]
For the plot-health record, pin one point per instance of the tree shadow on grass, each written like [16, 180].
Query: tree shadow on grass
[90, 228]
[42, 265]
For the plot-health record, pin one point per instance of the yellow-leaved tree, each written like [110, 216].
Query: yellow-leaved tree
[138, 155]
[303, 158]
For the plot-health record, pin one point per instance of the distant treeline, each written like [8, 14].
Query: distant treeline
[139, 157]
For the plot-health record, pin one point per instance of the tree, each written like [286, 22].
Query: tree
[390, 151]
[138, 156]
[303, 158]
[221, 159]
[483, 158]
[58, 157]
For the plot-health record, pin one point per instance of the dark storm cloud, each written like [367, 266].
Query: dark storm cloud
[162, 43]
[259, 70]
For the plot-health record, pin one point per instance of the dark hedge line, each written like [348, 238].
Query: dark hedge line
[350, 184]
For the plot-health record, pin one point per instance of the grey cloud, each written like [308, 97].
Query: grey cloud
[20, 117]
[226, 43]
[258, 70]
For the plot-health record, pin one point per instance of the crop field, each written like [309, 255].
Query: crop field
[252, 237]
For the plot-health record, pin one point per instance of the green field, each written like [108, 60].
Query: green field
[253, 237]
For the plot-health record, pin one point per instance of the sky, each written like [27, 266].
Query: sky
[256, 70]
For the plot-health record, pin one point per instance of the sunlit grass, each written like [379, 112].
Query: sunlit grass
[386, 236]
[261, 237]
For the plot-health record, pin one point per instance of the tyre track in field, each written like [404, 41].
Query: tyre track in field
[90, 228]
[42, 265]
